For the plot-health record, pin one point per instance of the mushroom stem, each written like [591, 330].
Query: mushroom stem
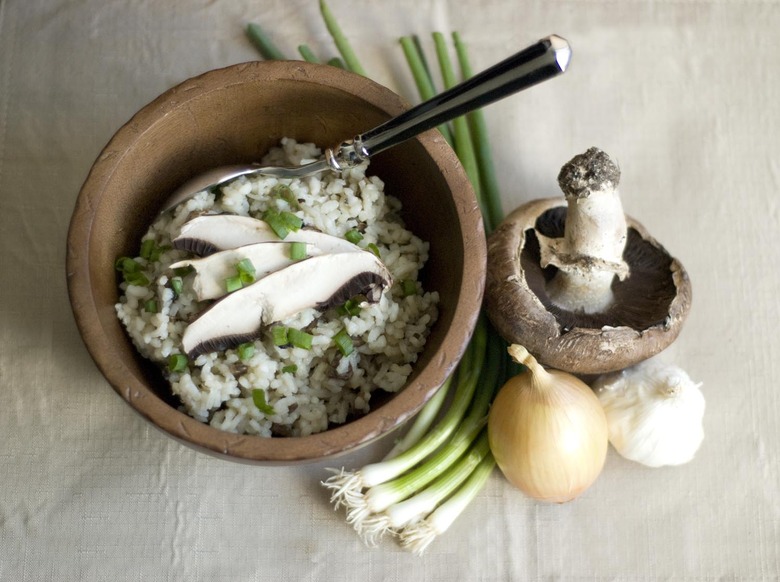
[590, 254]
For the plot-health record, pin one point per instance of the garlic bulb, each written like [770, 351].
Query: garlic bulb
[654, 412]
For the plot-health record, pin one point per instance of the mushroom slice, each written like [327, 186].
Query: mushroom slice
[212, 271]
[320, 282]
[207, 234]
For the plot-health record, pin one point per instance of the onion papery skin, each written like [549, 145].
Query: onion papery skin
[548, 434]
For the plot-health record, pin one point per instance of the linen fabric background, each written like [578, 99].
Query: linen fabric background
[684, 94]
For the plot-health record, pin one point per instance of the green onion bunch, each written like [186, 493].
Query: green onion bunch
[430, 475]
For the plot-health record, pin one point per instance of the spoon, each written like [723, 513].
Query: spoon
[541, 61]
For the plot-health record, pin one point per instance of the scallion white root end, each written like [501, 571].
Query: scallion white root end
[419, 535]
[346, 488]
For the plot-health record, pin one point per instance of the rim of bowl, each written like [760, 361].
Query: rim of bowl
[251, 448]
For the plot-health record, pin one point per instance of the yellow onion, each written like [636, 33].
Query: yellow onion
[547, 432]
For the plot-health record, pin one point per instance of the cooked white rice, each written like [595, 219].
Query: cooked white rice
[326, 388]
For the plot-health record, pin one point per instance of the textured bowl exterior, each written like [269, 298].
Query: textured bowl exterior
[234, 115]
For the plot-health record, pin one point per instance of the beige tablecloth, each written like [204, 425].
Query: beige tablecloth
[685, 94]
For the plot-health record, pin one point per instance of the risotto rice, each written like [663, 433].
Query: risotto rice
[307, 390]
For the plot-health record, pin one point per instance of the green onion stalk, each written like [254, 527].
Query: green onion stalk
[432, 474]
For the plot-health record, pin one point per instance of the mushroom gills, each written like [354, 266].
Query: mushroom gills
[212, 271]
[210, 233]
[321, 282]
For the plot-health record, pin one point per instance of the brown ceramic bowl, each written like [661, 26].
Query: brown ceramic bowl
[234, 115]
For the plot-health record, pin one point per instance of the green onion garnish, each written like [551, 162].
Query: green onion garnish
[258, 397]
[291, 369]
[136, 278]
[246, 351]
[373, 248]
[245, 266]
[274, 219]
[298, 251]
[157, 252]
[343, 342]
[246, 271]
[150, 306]
[177, 363]
[233, 283]
[280, 335]
[291, 221]
[351, 307]
[177, 285]
[127, 265]
[299, 339]
[408, 287]
[353, 236]
[284, 192]
[147, 248]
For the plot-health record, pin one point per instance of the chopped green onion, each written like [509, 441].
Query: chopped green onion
[300, 339]
[147, 248]
[246, 351]
[246, 271]
[374, 249]
[127, 265]
[258, 397]
[282, 222]
[337, 62]
[245, 266]
[284, 192]
[263, 43]
[350, 58]
[291, 221]
[157, 252]
[408, 287]
[177, 363]
[274, 219]
[280, 335]
[344, 342]
[150, 306]
[233, 284]
[136, 278]
[298, 251]
[353, 236]
[351, 307]
[291, 369]
[177, 285]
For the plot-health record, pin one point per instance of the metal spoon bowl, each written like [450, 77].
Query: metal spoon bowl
[541, 61]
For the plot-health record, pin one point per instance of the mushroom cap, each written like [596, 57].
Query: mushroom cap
[648, 313]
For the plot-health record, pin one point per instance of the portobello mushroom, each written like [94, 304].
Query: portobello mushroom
[321, 282]
[582, 286]
[266, 258]
[209, 233]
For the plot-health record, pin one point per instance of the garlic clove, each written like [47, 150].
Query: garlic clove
[654, 412]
